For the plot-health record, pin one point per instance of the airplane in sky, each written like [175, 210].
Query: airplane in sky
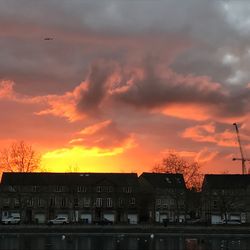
[48, 38]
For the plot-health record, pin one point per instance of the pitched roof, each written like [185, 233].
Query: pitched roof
[226, 181]
[117, 179]
[163, 180]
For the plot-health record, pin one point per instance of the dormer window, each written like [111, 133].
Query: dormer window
[178, 180]
[168, 180]
[12, 189]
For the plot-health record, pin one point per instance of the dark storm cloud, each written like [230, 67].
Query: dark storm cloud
[127, 31]
[151, 87]
[154, 90]
[92, 94]
[88, 30]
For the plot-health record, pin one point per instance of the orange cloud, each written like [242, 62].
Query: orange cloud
[207, 133]
[95, 128]
[6, 89]
[62, 106]
[202, 156]
[105, 136]
[187, 111]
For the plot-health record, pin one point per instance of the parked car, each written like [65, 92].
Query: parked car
[58, 221]
[231, 222]
[11, 220]
[103, 221]
[194, 221]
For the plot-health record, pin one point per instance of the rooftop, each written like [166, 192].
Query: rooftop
[163, 180]
[48, 178]
[226, 181]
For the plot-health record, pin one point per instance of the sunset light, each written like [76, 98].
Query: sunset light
[105, 86]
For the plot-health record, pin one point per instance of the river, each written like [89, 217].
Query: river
[121, 242]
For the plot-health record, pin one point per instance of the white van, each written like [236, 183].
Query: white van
[11, 220]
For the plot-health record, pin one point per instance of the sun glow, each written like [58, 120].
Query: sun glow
[81, 159]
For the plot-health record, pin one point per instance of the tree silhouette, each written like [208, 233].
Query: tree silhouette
[19, 157]
[175, 164]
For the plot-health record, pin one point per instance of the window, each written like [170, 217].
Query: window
[98, 202]
[179, 180]
[30, 202]
[11, 189]
[110, 189]
[127, 189]
[34, 188]
[63, 202]
[98, 189]
[40, 202]
[52, 201]
[76, 203]
[16, 202]
[58, 188]
[121, 202]
[165, 203]
[132, 201]
[109, 202]
[81, 189]
[158, 202]
[6, 201]
[86, 202]
[168, 180]
[215, 204]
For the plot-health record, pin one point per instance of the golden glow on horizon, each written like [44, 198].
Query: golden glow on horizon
[83, 159]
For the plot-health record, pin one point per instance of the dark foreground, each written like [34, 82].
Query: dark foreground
[130, 230]
[76, 237]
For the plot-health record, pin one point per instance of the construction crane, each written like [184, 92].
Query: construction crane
[242, 159]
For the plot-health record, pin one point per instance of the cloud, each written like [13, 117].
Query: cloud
[93, 129]
[91, 95]
[207, 133]
[6, 90]
[104, 135]
[203, 156]
[152, 88]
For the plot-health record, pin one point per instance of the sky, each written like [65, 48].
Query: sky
[123, 82]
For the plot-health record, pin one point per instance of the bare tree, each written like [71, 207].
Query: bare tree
[73, 167]
[173, 163]
[19, 157]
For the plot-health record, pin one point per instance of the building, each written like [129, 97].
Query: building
[163, 197]
[226, 198]
[82, 197]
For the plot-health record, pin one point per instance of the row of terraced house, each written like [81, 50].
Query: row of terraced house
[123, 198]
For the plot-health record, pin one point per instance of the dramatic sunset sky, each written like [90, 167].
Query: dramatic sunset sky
[125, 81]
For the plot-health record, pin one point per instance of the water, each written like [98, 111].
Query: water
[121, 242]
